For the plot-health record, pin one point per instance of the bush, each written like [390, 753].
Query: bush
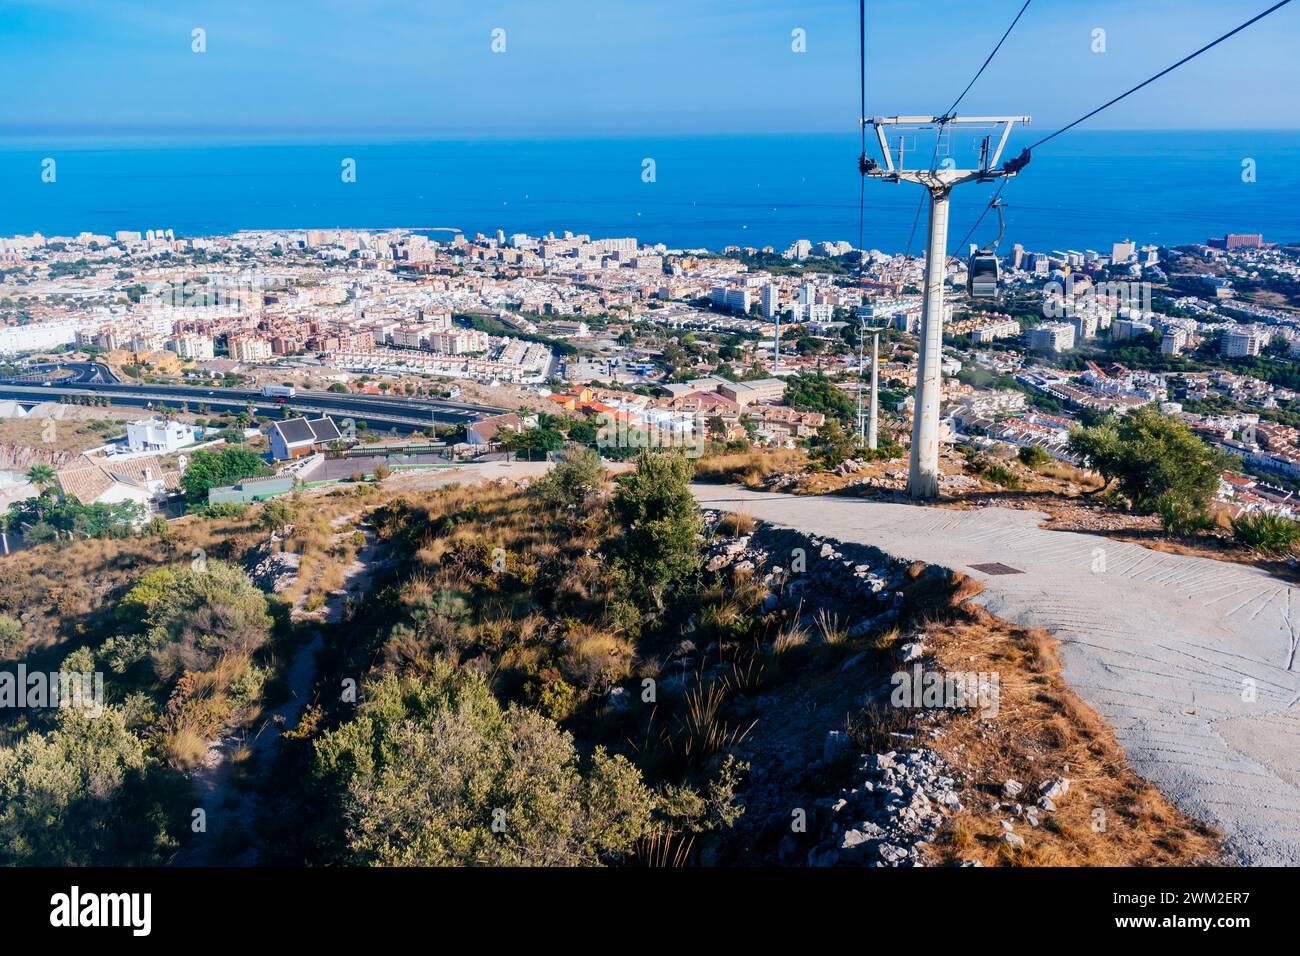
[222, 509]
[1266, 533]
[1003, 476]
[1182, 518]
[661, 545]
[204, 615]
[1150, 456]
[217, 469]
[1033, 456]
[578, 475]
[437, 773]
[11, 634]
[86, 794]
[277, 514]
[832, 446]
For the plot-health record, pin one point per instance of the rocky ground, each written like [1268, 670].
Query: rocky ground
[816, 797]
[842, 774]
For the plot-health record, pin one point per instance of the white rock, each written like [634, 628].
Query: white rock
[1012, 788]
[1056, 788]
[892, 853]
[912, 652]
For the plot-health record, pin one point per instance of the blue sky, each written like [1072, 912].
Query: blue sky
[369, 69]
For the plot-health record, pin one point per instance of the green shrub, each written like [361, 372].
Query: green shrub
[1266, 533]
[11, 634]
[1033, 456]
[222, 509]
[1003, 476]
[579, 475]
[1183, 518]
[1148, 456]
[437, 773]
[661, 545]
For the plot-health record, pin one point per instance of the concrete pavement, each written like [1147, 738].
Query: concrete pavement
[1193, 661]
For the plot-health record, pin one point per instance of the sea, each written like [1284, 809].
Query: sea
[1085, 189]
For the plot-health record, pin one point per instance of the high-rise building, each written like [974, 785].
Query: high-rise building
[1051, 337]
[1244, 341]
[1174, 340]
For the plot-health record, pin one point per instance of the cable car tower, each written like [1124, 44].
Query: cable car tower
[869, 427]
[923, 471]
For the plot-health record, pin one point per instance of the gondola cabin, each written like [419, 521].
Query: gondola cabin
[982, 274]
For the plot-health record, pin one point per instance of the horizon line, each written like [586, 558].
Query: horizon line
[305, 136]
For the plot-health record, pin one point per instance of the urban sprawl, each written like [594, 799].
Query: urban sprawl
[652, 339]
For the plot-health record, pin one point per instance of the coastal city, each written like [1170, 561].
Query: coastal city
[668, 342]
[814, 437]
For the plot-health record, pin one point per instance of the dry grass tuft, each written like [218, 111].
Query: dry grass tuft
[736, 524]
[751, 467]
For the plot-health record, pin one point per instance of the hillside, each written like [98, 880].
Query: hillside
[566, 670]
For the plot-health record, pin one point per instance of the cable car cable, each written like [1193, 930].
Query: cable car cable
[916, 219]
[1190, 56]
[1109, 103]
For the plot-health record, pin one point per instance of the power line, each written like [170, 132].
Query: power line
[1190, 56]
[862, 123]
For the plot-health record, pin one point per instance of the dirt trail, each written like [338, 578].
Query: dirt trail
[230, 807]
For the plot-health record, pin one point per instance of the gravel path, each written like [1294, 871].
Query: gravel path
[1194, 662]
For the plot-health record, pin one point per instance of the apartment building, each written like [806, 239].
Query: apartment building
[1244, 341]
[1051, 337]
[249, 349]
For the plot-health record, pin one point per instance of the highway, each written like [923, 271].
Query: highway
[405, 414]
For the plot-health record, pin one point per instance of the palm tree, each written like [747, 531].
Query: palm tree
[43, 477]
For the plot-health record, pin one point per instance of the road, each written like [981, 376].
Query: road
[406, 414]
[1194, 662]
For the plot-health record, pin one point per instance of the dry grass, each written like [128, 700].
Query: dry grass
[751, 467]
[1110, 817]
[53, 588]
[735, 524]
[183, 749]
[829, 628]
[662, 847]
[65, 437]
